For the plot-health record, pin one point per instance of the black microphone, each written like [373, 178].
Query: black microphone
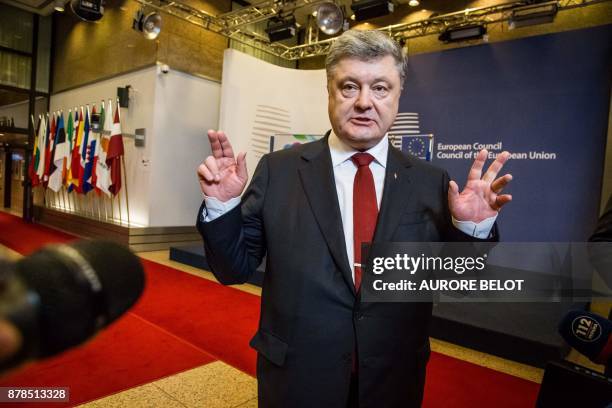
[62, 295]
[590, 335]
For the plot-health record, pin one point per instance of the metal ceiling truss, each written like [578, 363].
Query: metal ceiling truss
[234, 24]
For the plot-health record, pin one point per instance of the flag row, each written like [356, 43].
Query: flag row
[81, 152]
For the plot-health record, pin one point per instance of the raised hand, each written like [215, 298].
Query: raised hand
[222, 175]
[480, 198]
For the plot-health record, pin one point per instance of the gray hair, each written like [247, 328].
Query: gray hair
[365, 46]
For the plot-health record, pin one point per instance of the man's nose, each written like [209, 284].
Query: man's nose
[364, 100]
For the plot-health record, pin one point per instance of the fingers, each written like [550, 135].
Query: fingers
[496, 166]
[241, 169]
[453, 191]
[476, 169]
[215, 144]
[220, 144]
[226, 145]
[498, 185]
[213, 168]
[501, 200]
[205, 174]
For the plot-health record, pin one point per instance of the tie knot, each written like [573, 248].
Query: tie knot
[362, 159]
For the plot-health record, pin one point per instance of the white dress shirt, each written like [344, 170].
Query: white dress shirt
[344, 175]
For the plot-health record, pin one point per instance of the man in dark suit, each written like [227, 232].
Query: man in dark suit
[309, 208]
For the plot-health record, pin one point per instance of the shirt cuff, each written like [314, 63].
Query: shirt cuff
[215, 208]
[481, 230]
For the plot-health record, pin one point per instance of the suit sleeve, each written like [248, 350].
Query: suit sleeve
[603, 230]
[599, 250]
[235, 242]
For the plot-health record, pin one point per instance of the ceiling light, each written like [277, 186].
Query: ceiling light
[533, 14]
[279, 29]
[148, 24]
[330, 18]
[367, 9]
[413, 3]
[88, 10]
[463, 33]
[58, 5]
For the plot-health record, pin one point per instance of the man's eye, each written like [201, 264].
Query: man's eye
[379, 89]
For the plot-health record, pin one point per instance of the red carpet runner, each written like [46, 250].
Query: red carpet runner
[183, 321]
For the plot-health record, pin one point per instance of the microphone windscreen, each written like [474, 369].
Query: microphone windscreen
[81, 287]
[588, 333]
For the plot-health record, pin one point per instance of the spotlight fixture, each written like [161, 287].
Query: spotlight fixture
[367, 9]
[463, 33]
[279, 28]
[88, 10]
[330, 18]
[533, 14]
[58, 5]
[413, 3]
[148, 24]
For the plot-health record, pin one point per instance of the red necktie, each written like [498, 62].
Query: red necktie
[365, 208]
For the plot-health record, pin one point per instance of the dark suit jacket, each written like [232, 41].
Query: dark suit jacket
[601, 256]
[311, 319]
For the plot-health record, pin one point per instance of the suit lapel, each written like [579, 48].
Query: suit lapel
[396, 194]
[317, 178]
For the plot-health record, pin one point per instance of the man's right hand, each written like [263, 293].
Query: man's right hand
[222, 176]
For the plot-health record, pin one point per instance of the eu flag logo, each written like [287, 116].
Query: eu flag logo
[420, 146]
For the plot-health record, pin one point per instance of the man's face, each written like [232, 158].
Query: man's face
[363, 100]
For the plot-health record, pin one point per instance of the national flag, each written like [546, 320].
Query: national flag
[90, 151]
[73, 171]
[49, 147]
[69, 140]
[103, 176]
[60, 152]
[114, 153]
[35, 156]
[43, 134]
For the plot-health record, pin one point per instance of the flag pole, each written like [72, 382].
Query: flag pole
[68, 199]
[127, 203]
[112, 206]
[119, 201]
[91, 206]
[63, 202]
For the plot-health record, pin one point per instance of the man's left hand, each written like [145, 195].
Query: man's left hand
[481, 197]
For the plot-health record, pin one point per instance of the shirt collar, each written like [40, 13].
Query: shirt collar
[341, 152]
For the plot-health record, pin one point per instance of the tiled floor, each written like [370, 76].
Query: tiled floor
[214, 385]
[220, 385]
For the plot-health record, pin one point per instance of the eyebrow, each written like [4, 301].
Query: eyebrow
[354, 79]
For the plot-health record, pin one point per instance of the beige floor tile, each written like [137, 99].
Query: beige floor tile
[163, 257]
[214, 385]
[249, 404]
[145, 396]
[487, 360]
[8, 253]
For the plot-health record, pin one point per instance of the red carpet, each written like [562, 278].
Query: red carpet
[129, 353]
[193, 321]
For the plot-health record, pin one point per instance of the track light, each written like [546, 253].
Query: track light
[463, 33]
[367, 9]
[148, 24]
[58, 5]
[279, 28]
[534, 14]
[88, 10]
